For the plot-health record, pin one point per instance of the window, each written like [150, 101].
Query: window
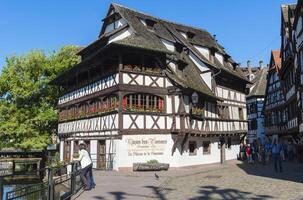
[223, 112]
[229, 142]
[143, 103]
[150, 23]
[192, 146]
[206, 147]
[254, 124]
[241, 116]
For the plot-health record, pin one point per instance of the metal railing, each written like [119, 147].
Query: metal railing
[61, 183]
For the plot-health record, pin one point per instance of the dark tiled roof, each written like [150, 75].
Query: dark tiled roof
[171, 31]
[259, 83]
[150, 39]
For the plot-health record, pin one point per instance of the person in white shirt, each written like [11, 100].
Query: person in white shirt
[86, 166]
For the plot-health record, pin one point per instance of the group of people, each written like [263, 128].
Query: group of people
[86, 167]
[261, 152]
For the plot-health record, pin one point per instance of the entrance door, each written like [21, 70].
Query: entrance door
[76, 146]
[66, 155]
[101, 155]
[87, 144]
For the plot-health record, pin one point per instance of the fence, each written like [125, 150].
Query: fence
[61, 183]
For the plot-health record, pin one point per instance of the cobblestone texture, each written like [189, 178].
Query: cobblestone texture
[234, 180]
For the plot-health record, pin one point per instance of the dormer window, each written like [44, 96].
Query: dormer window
[178, 47]
[150, 23]
[190, 35]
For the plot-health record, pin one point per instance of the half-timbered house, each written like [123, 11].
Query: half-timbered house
[298, 38]
[288, 71]
[255, 101]
[274, 108]
[152, 89]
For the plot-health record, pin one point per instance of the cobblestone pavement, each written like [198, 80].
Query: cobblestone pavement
[234, 180]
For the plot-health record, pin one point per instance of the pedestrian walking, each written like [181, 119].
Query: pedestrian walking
[248, 154]
[276, 153]
[86, 167]
[267, 149]
[242, 151]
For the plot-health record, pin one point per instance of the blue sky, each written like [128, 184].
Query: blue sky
[247, 29]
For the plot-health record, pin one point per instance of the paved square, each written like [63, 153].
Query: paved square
[234, 180]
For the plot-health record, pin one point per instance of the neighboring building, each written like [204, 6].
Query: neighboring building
[274, 108]
[283, 114]
[255, 101]
[288, 71]
[298, 38]
[152, 89]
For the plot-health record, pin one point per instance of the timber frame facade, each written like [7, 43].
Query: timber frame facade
[255, 101]
[284, 117]
[152, 89]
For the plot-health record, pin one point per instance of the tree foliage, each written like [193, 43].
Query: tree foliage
[28, 102]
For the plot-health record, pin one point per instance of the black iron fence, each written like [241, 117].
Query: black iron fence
[60, 183]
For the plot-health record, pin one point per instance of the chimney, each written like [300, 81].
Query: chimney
[261, 65]
[249, 68]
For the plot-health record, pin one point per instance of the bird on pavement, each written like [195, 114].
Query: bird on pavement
[157, 177]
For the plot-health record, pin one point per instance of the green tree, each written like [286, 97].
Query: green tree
[28, 103]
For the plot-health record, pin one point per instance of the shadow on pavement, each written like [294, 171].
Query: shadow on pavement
[213, 192]
[292, 171]
[159, 193]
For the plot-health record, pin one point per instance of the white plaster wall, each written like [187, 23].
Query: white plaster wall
[168, 104]
[169, 45]
[232, 153]
[197, 62]
[93, 152]
[61, 150]
[71, 149]
[219, 57]
[120, 35]
[188, 160]
[203, 50]
[126, 157]
[207, 79]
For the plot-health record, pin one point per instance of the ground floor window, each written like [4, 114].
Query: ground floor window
[192, 146]
[206, 147]
[229, 142]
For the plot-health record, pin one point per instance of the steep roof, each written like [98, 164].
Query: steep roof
[171, 32]
[259, 86]
[276, 58]
[151, 39]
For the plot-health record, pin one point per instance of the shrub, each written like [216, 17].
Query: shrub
[152, 162]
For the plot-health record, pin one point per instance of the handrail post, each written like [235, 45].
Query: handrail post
[73, 178]
[50, 195]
